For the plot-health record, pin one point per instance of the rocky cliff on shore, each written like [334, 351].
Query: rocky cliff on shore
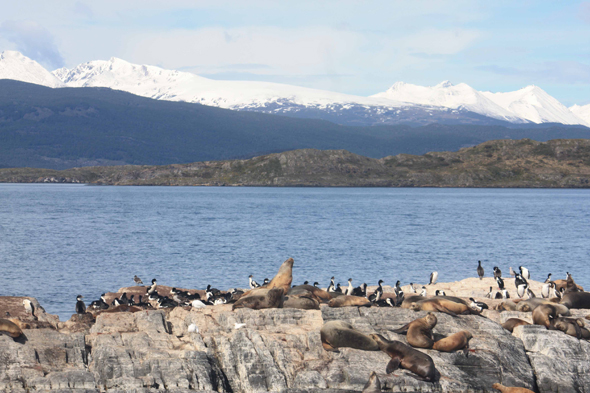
[561, 163]
[183, 350]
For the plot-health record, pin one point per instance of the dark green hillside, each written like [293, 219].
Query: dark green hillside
[73, 127]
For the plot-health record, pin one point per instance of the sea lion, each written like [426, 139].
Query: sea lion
[301, 302]
[406, 357]
[443, 305]
[544, 315]
[340, 334]
[346, 301]
[318, 293]
[419, 331]
[373, 385]
[511, 323]
[407, 303]
[559, 284]
[260, 298]
[529, 305]
[576, 300]
[284, 277]
[571, 326]
[122, 308]
[506, 389]
[454, 342]
[10, 328]
[507, 305]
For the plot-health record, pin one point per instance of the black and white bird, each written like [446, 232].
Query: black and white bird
[548, 278]
[530, 294]
[377, 293]
[433, 278]
[253, 284]
[521, 290]
[412, 288]
[137, 280]
[512, 273]
[423, 293]
[152, 288]
[546, 290]
[479, 270]
[505, 294]
[398, 289]
[100, 304]
[500, 282]
[338, 289]
[387, 302]
[361, 290]
[350, 288]
[265, 282]
[479, 306]
[80, 306]
[316, 284]
[439, 293]
[519, 280]
[332, 286]
[497, 272]
[525, 272]
[30, 308]
[490, 294]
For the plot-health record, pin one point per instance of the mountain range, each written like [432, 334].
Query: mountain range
[402, 103]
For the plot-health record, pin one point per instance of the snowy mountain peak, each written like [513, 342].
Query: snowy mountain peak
[444, 84]
[582, 111]
[14, 65]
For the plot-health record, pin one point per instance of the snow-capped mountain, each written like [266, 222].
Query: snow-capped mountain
[447, 95]
[14, 65]
[534, 104]
[402, 103]
[582, 111]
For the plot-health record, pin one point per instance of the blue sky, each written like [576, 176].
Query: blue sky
[356, 47]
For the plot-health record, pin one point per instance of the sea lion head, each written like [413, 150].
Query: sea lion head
[415, 307]
[524, 307]
[560, 325]
[431, 319]
[379, 339]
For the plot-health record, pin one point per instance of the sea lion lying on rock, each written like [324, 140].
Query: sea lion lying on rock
[373, 385]
[563, 284]
[10, 328]
[319, 294]
[529, 305]
[340, 334]
[301, 302]
[347, 301]
[511, 323]
[406, 357]
[260, 298]
[576, 300]
[506, 389]
[507, 305]
[454, 342]
[544, 315]
[419, 331]
[572, 327]
[443, 305]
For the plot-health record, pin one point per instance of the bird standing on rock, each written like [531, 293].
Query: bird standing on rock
[525, 272]
[497, 272]
[548, 278]
[500, 283]
[30, 308]
[137, 280]
[479, 270]
[433, 278]
[152, 287]
[253, 284]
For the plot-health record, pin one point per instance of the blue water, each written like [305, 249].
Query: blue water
[58, 241]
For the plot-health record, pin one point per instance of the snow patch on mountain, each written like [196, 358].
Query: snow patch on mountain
[14, 65]
[534, 104]
[582, 111]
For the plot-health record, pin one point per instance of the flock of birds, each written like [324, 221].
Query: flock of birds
[214, 296]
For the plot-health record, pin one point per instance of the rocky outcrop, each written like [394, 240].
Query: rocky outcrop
[216, 349]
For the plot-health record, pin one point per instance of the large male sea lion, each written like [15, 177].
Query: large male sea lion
[346, 301]
[559, 284]
[284, 277]
[373, 385]
[407, 303]
[506, 389]
[301, 302]
[529, 305]
[10, 328]
[406, 357]
[419, 331]
[340, 334]
[260, 298]
[454, 342]
[576, 300]
[443, 305]
[511, 323]
[318, 293]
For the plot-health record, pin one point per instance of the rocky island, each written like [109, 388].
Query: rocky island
[561, 163]
[218, 349]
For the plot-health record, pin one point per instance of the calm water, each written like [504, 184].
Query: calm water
[58, 241]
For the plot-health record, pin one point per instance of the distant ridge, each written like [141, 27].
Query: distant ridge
[73, 127]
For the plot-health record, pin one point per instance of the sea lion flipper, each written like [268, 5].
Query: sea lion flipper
[403, 329]
[328, 347]
[392, 365]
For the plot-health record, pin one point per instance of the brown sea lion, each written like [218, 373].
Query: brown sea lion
[260, 298]
[340, 334]
[559, 284]
[284, 277]
[346, 301]
[419, 331]
[511, 323]
[454, 342]
[529, 305]
[507, 305]
[571, 326]
[576, 300]
[10, 328]
[544, 315]
[407, 303]
[443, 305]
[406, 357]
[301, 302]
[506, 389]
[122, 308]
[318, 293]
[373, 385]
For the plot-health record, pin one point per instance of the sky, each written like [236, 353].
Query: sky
[354, 47]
